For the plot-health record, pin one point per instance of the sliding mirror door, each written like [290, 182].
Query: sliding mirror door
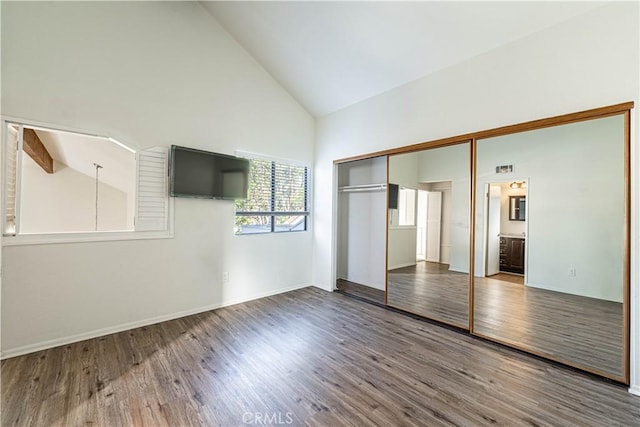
[551, 229]
[428, 233]
[361, 240]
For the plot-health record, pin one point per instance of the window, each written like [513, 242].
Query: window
[60, 183]
[277, 200]
[407, 207]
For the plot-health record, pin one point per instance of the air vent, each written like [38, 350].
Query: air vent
[504, 169]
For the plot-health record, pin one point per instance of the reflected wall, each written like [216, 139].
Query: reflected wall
[428, 234]
[567, 303]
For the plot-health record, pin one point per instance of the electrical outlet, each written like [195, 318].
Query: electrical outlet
[225, 277]
[572, 272]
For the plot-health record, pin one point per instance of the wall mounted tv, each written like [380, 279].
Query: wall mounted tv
[202, 174]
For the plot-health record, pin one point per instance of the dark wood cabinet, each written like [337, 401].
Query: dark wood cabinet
[512, 255]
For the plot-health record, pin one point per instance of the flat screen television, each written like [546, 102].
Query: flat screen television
[394, 191]
[202, 174]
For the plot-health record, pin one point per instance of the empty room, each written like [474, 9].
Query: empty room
[320, 213]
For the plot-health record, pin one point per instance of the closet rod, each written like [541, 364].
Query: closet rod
[363, 187]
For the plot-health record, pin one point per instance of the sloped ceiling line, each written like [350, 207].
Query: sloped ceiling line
[330, 55]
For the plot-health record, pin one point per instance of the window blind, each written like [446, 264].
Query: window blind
[277, 199]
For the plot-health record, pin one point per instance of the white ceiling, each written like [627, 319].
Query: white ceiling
[80, 152]
[330, 55]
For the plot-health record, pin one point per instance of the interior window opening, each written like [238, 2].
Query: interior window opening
[67, 182]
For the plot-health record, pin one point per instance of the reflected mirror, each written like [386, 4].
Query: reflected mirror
[428, 234]
[361, 239]
[517, 208]
[549, 253]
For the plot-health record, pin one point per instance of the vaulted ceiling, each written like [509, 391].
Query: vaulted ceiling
[330, 55]
[83, 152]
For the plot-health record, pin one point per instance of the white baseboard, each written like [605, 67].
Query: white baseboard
[43, 345]
[405, 264]
[380, 287]
[458, 270]
[635, 389]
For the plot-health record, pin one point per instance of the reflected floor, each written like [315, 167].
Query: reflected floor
[574, 328]
[361, 291]
[431, 290]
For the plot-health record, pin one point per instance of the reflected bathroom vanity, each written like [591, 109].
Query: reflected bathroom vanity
[512, 253]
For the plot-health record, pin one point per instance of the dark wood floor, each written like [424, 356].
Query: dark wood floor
[509, 277]
[360, 291]
[430, 289]
[571, 328]
[586, 331]
[307, 357]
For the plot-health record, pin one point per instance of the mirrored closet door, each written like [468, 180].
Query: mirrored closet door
[550, 238]
[544, 264]
[361, 238]
[428, 233]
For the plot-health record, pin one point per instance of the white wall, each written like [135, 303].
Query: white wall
[452, 164]
[403, 171]
[362, 244]
[146, 74]
[434, 165]
[587, 62]
[402, 247]
[64, 201]
[575, 203]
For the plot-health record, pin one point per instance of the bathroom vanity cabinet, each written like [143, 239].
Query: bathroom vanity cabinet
[512, 254]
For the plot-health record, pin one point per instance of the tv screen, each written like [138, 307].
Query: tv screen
[394, 190]
[202, 174]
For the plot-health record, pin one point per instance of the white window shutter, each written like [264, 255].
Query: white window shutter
[11, 187]
[152, 207]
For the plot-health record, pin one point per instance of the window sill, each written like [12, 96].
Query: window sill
[104, 236]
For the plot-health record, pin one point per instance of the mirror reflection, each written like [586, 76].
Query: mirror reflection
[428, 234]
[549, 252]
[517, 208]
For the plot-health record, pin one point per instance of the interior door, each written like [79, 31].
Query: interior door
[493, 230]
[434, 220]
[421, 226]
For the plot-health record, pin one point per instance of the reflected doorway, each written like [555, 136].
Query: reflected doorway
[506, 231]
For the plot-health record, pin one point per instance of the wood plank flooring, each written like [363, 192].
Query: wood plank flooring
[429, 289]
[587, 331]
[360, 291]
[508, 277]
[571, 328]
[307, 357]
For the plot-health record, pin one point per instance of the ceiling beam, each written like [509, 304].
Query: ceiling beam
[32, 145]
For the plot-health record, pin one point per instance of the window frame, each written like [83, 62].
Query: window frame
[67, 237]
[274, 213]
[403, 209]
